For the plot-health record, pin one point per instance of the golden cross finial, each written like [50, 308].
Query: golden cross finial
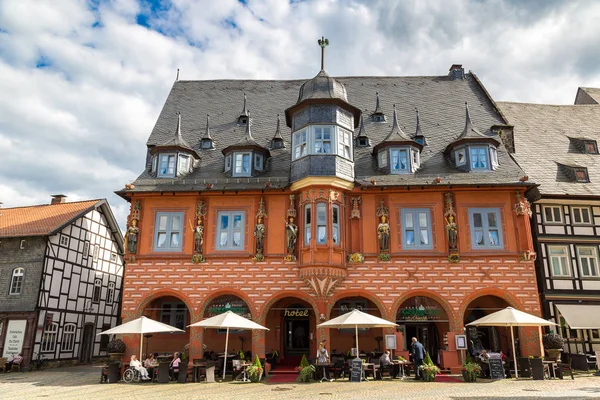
[323, 43]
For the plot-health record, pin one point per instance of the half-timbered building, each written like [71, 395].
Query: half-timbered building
[61, 270]
[291, 202]
[557, 146]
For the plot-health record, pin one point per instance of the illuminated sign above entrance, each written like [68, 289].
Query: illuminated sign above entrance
[420, 313]
[228, 303]
[296, 312]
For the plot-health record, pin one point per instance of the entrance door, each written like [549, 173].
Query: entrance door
[427, 335]
[297, 336]
[87, 343]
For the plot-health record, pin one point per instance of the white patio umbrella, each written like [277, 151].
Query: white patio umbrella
[228, 320]
[141, 326]
[357, 319]
[510, 317]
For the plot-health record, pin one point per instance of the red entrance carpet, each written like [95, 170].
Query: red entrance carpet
[282, 378]
[446, 378]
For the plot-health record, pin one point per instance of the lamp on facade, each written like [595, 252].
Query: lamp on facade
[322, 317]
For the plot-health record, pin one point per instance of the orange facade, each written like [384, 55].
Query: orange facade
[430, 297]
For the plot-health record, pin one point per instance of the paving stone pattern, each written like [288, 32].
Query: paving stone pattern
[82, 383]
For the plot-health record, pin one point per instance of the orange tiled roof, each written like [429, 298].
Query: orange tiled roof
[40, 220]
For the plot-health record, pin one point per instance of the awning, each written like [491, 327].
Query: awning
[580, 316]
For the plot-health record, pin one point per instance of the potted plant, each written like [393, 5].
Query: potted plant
[116, 348]
[306, 370]
[553, 344]
[255, 371]
[428, 369]
[470, 370]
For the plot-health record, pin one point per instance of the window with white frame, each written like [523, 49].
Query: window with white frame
[16, 281]
[307, 223]
[183, 166]
[258, 162]
[486, 229]
[166, 167]
[552, 214]
[68, 337]
[416, 228]
[558, 258]
[335, 224]
[416, 159]
[344, 143]
[97, 290]
[241, 164]
[49, 337]
[581, 215]
[494, 157]
[64, 240]
[174, 314]
[479, 158]
[321, 223]
[322, 139]
[382, 155]
[110, 293]
[154, 164]
[399, 161]
[588, 261]
[168, 231]
[300, 144]
[230, 230]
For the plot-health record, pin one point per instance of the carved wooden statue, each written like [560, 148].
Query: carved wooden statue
[383, 234]
[132, 237]
[291, 235]
[198, 236]
[260, 232]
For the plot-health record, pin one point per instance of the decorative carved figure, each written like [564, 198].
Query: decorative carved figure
[355, 212]
[198, 236]
[260, 232]
[132, 237]
[291, 235]
[522, 207]
[452, 230]
[383, 234]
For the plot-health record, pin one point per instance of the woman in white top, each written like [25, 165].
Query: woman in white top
[135, 363]
[323, 359]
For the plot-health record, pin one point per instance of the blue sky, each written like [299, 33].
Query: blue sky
[82, 81]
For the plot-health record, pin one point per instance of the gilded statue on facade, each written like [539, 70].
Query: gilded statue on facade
[383, 234]
[198, 236]
[291, 235]
[131, 237]
[260, 232]
[452, 231]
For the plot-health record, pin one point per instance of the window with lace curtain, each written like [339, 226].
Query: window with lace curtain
[486, 228]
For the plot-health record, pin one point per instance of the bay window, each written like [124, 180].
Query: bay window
[321, 223]
[322, 139]
[335, 224]
[307, 223]
[241, 164]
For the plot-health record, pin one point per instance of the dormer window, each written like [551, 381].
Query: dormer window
[476, 157]
[378, 118]
[324, 139]
[242, 120]
[591, 147]
[399, 162]
[166, 165]
[241, 164]
[420, 139]
[382, 156]
[206, 144]
[403, 160]
[461, 157]
[277, 144]
[479, 158]
[581, 175]
[362, 141]
[258, 162]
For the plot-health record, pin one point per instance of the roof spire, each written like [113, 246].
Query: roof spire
[418, 131]
[248, 133]
[468, 122]
[177, 77]
[207, 133]
[178, 130]
[377, 107]
[278, 129]
[361, 131]
[323, 43]
[245, 110]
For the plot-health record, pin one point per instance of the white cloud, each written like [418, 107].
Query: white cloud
[78, 124]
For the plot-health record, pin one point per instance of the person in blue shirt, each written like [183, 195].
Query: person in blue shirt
[418, 354]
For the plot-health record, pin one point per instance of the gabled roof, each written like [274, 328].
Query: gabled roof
[542, 136]
[587, 96]
[396, 136]
[48, 219]
[246, 141]
[176, 140]
[471, 134]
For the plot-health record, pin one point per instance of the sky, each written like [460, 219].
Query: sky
[82, 82]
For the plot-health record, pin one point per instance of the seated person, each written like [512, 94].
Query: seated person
[385, 361]
[174, 366]
[484, 360]
[137, 364]
[16, 360]
[150, 363]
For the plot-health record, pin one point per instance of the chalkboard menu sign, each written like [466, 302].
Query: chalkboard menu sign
[496, 368]
[356, 372]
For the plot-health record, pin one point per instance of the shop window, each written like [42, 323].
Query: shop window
[581, 215]
[230, 230]
[553, 214]
[68, 337]
[174, 314]
[558, 257]
[588, 261]
[168, 231]
[16, 281]
[486, 230]
[49, 337]
[416, 229]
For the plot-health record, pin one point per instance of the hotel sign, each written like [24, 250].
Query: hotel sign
[420, 313]
[228, 303]
[296, 312]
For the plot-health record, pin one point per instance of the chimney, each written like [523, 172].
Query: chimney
[456, 72]
[58, 199]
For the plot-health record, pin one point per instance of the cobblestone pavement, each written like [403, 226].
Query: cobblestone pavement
[82, 383]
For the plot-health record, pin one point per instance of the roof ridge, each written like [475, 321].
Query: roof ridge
[306, 79]
[57, 204]
[550, 105]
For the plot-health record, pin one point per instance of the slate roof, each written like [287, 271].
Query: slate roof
[587, 96]
[439, 99]
[543, 144]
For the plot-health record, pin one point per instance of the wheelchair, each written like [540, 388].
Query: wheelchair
[131, 375]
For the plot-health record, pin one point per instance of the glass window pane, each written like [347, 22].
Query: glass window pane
[423, 220]
[408, 217]
[477, 220]
[175, 243]
[479, 238]
[494, 238]
[334, 216]
[548, 214]
[237, 221]
[162, 222]
[593, 268]
[577, 215]
[246, 163]
[557, 216]
[424, 237]
[176, 223]
[585, 215]
[308, 215]
[171, 169]
[586, 251]
[410, 237]
[224, 221]
[237, 239]
[223, 241]
[327, 147]
[492, 221]
[321, 216]
[585, 269]
[318, 147]
[162, 238]
[321, 234]
[307, 234]
[335, 234]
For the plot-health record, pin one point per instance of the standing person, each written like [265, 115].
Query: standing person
[135, 363]
[323, 360]
[174, 366]
[418, 354]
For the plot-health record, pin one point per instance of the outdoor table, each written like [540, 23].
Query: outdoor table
[366, 366]
[401, 364]
[196, 367]
[244, 368]
[551, 368]
[324, 365]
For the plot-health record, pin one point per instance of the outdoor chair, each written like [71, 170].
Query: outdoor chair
[562, 367]
[524, 367]
[16, 367]
[538, 369]
[338, 368]
[386, 370]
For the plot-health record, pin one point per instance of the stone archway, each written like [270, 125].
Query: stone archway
[490, 338]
